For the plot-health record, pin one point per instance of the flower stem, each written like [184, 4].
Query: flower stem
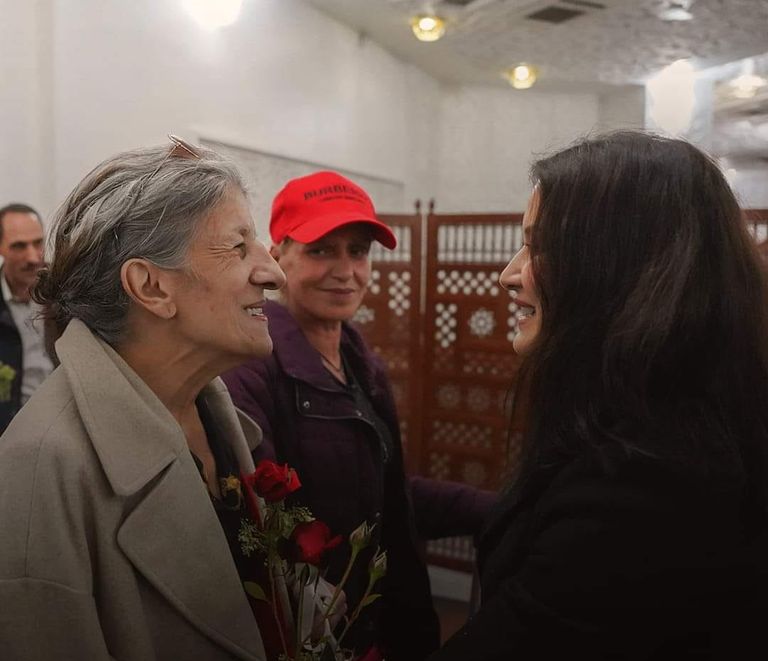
[356, 612]
[275, 608]
[337, 592]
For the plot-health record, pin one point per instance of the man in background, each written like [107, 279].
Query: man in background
[24, 364]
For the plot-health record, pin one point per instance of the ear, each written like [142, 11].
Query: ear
[149, 287]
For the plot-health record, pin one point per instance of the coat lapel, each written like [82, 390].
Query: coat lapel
[172, 536]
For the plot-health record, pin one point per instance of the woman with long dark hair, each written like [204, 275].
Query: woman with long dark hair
[636, 524]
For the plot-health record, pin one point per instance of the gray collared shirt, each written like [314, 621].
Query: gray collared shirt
[35, 361]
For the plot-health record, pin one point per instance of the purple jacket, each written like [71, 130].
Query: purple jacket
[310, 421]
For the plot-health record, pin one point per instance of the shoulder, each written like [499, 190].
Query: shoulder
[48, 434]
[50, 477]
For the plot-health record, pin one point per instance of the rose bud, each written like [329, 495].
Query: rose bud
[360, 537]
[378, 567]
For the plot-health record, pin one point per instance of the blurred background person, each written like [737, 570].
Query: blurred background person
[325, 405]
[636, 527]
[119, 527]
[24, 364]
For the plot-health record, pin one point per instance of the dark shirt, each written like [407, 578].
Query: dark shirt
[231, 510]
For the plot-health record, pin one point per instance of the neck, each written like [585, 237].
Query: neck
[176, 374]
[324, 335]
[19, 290]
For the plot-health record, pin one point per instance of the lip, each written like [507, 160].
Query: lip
[257, 317]
[340, 292]
[522, 303]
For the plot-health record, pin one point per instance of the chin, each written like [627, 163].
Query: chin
[522, 345]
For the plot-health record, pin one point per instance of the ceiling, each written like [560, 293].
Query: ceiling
[607, 43]
[614, 42]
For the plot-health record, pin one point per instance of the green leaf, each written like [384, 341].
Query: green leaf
[255, 590]
[369, 600]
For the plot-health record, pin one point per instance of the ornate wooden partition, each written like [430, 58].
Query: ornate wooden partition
[448, 346]
[469, 325]
[390, 320]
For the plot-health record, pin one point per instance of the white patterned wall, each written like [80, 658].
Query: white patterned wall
[265, 174]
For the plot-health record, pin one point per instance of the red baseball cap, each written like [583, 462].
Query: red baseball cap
[309, 207]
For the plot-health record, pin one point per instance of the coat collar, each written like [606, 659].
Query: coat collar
[129, 412]
[300, 360]
[172, 536]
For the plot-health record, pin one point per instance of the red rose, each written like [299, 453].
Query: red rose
[272, 481]
[312, 539]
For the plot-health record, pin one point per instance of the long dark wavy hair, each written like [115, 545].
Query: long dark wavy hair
[654, 328]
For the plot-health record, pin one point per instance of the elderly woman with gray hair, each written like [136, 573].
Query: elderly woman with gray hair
[115, 478]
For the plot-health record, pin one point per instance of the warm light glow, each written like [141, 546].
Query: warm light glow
[676, 11]
[746, 86]
[672, 97]
[428, 27]
[521, 77]
[212, 14]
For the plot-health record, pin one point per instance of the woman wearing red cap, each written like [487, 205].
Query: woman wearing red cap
[325, 406]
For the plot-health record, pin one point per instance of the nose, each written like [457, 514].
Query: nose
[510, 276]
[266, 272]
[33, 254]
[343, 267]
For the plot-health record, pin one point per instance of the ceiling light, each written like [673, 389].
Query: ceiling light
[746, 85]
[428, 27]
[521, 76]
[212, 14]
[676, 10]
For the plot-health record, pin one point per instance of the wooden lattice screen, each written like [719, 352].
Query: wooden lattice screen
[469, 325]
[449, 354]
[390, 320]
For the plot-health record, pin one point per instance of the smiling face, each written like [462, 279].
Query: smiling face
[22, 250]
[327, 279]
[518, 277]
[219, 296]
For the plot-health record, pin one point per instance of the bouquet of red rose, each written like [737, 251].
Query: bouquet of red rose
[304, 608]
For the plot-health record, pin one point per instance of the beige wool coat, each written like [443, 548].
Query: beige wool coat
[109, 545]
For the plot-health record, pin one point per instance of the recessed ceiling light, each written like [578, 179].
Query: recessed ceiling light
[212, 14]
[746, 86]
[676, 10]
[428, 27]
[521, 76]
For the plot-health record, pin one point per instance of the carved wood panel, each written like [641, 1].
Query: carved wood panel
[390, 320]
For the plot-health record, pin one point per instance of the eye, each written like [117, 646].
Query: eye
[242, 248]
[360, 251]
[319, 251]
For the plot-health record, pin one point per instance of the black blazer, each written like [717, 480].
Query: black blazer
[642, 560]
[11, 354]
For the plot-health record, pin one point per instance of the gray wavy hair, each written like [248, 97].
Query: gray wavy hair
[145, 204]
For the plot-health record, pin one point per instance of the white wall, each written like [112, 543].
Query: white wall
[750, 183]
[82, 79]
[623, 108]
[26, 152]
[284, 79]
[489, 136]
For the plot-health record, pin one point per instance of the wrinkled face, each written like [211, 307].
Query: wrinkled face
[327, 279]
[22, 249]
[518, 277]
[219, 297]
